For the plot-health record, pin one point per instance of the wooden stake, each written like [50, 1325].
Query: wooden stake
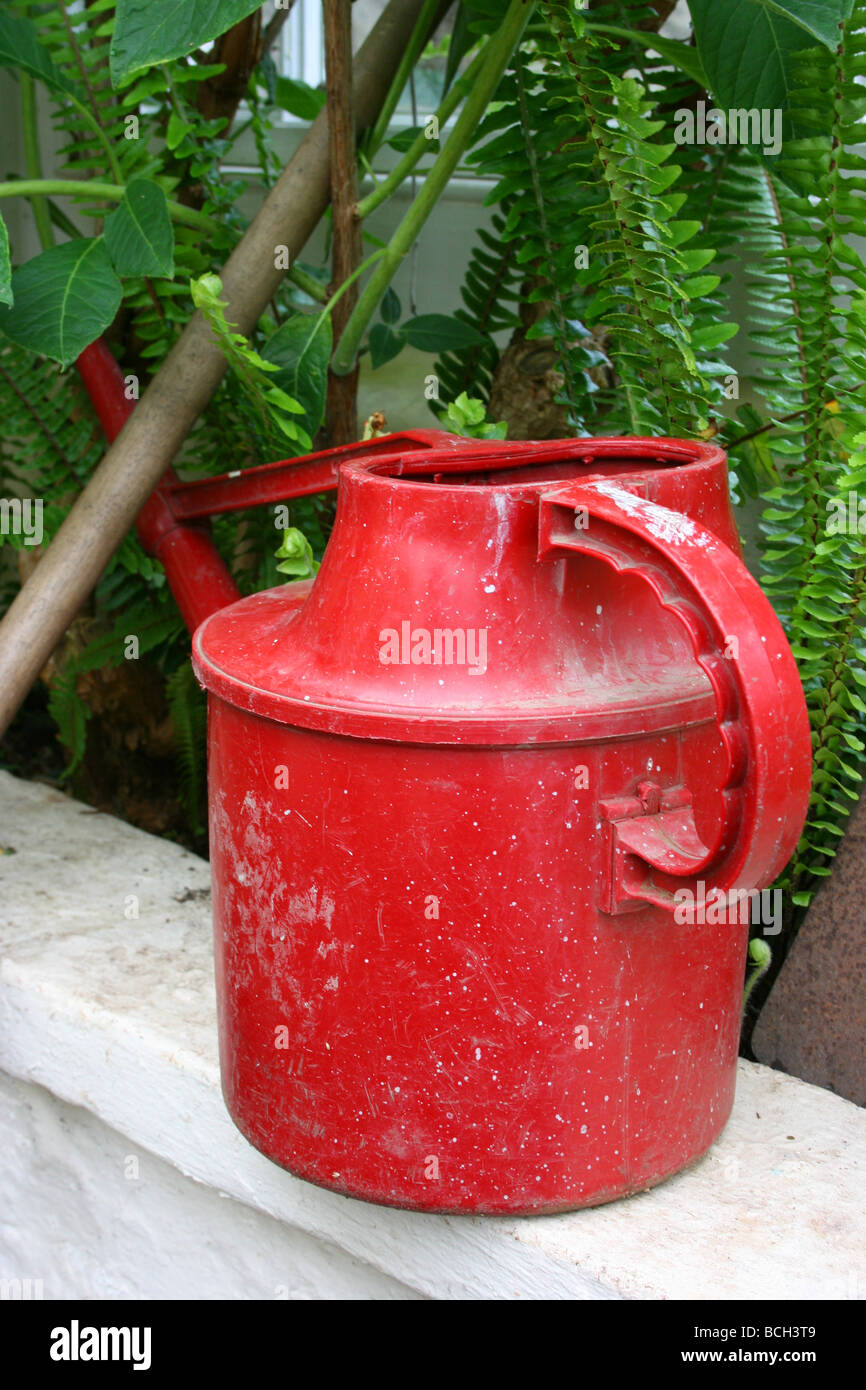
[341, 418]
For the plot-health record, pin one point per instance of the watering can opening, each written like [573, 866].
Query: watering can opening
[544, 463]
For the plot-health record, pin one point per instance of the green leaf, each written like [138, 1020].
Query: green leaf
[405, 139]
[440, 333]
[70, 714]
[746, 50]
[704, 339]
[299, 98]
[176, 129]
[696, 260]
[681, 55]
[20, 48]
[391, 308]
[147, 32]
[139, 235]
[301, 348]
[5, 266]
[699, 285]
[296, 555]
[467, 416]
[462, 40]
[820, 18]
[385, 344]
[64, 299]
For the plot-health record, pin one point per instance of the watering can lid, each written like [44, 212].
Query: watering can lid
[234, 659]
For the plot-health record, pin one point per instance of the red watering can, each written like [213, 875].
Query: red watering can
[491, 803]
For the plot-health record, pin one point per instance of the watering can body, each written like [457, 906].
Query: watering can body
[490, 801]
[471, 790]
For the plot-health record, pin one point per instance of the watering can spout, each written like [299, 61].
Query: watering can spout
[196, 573]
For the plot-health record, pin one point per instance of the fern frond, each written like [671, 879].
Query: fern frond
[188, 708]
[811, 342]
[70, 714]
[642, 275]
[490, 293]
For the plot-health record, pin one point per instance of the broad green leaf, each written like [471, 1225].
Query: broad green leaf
[64, 299]
[299, 98]
[139, 235]
[5, 266]
[20, 48]
[301, 348]
[747, 50]
[820, 18]
[385, 344]
[147, 32]
[440, 333]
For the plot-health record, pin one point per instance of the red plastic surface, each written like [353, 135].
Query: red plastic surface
[449, 975]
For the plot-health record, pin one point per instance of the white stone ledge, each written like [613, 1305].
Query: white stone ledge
[117, 1016]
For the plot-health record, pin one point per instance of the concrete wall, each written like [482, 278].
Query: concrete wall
[122, 1176]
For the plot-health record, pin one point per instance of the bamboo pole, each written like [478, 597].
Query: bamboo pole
[185, 382]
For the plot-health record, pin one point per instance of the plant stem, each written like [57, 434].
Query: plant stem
[421, 144]
[413, 52]
[365, 265]
[498, 55]
[308, 283]
[771, 425]
[761, 960]
[173, 97]
[32, 188]
[33, 159]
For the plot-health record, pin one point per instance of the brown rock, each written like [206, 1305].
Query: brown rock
[813, 1024]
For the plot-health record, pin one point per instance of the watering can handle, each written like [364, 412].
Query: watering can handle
[760, 707]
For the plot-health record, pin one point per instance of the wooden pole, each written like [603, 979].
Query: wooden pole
[185, 382]
[341, 416]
